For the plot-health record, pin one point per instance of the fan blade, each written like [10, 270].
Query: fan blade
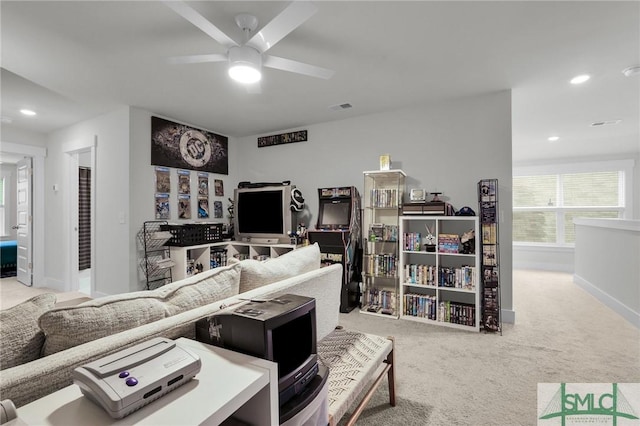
[288, 20]
[201, 22]
[297, 67]
[198, 59]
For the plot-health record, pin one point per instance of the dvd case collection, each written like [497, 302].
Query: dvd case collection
[426, 306]
[425, 275]
[380, 232]
[384, 198]
[448, 243]
[412, 241]
[382, 265]
[379, 301]
[488, 201]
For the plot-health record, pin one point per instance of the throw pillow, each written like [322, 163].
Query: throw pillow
[257, 274]
[201, 289]
[20, 337]
[71, 326]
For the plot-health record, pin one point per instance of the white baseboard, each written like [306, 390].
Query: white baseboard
[540, 266]
[508, 316]
[55, 284]
[620, 308]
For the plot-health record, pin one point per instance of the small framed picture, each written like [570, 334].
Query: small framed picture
[219, 187]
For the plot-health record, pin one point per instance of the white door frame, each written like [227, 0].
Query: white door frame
[71, 207]
[38, 154]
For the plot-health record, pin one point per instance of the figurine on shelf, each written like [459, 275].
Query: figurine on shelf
[468, 240]
[429, 240]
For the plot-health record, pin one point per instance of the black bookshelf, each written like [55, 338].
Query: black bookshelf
[490, 259]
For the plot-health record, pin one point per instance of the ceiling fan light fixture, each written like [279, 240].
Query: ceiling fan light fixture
[245, 64]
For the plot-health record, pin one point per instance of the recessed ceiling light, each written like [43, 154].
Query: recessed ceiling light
[606, 123]
[579, 79]
[631, 71]
[342, 106]
[553, 138]
[28, 112]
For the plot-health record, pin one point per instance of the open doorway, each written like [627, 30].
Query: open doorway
[84, 222]
[81, 205]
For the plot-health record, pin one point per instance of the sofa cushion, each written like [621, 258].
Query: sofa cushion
[257, 274]
[20, 337]
[71, 326]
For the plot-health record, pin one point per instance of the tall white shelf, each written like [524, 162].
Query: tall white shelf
[382, 200]
[417, 292]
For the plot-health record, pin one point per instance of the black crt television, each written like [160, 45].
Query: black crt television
[263, 214]
[282, 330]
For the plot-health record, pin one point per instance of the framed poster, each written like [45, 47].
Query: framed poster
[184, 147]
[203, 184]
[203, 207]
[163, 179]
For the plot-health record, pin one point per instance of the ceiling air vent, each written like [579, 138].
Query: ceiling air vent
[340, 107]
[605, 123]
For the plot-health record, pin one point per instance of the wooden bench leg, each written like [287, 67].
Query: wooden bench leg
[389, 369]
[391, 374]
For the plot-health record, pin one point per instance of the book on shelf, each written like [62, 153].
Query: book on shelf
[448, 243]
[412, 241]
[489, 255]
[420, 274]
[420, 305]
[489, 233]
[462, 277]
[384, 198]
[488, 190]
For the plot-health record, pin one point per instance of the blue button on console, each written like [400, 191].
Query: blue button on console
[131, 381]
[123, 374]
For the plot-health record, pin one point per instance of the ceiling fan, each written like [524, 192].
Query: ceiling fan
[247, 59]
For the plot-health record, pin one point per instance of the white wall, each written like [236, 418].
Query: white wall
[606, 263]
[111, 131]
[21, 136]
[447, 147]
[142, 187]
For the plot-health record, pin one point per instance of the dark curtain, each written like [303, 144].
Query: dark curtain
[84, 219]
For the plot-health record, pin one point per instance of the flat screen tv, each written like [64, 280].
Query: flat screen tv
[263, 214]
[282, 330]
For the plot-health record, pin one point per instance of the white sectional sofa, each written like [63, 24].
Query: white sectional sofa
[40, 345]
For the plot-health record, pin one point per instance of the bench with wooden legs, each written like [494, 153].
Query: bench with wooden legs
[357, 362]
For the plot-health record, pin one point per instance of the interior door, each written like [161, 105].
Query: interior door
[23, 202]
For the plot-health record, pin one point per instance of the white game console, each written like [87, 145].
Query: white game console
[123, 382]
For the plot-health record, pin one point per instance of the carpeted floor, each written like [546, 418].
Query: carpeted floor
[453, 377]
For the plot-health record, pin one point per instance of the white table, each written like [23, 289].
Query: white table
[229, 383]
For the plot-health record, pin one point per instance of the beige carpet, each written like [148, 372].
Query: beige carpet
[13, 292]
[562, 334]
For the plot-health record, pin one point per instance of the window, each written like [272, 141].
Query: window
[3, 225]
[547, 199]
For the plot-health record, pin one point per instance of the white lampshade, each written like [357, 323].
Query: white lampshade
[244, 64]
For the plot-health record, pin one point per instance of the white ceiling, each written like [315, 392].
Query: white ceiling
[73, 60]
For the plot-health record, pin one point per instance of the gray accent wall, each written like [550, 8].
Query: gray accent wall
[446, 147]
